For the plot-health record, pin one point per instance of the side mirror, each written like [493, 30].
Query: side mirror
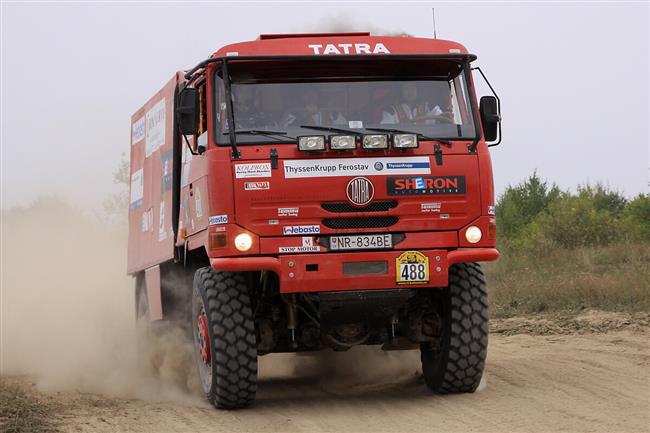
[187, 111]
[490, 117]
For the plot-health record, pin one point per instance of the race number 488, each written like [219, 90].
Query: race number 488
[413, 272]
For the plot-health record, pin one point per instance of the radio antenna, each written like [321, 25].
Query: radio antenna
[433, 13]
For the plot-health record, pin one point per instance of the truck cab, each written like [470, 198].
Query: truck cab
[314, 192]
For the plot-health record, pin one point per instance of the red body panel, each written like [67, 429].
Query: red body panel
[151, 238]
[295, 278]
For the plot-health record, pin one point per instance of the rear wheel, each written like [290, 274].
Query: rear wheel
[456, 364]
[224, 338]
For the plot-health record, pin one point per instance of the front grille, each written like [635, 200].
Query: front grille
[360, 223]
[342, 207]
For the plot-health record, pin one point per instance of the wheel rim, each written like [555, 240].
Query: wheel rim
[203, 348]
[204, 338]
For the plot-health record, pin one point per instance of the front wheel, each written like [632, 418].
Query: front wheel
[456, 364]
[225, 344]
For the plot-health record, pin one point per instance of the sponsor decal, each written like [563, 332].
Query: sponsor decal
[274, 222]
[261, 169]
[349, 48]
[355, 124]
[444, 216]
[218, 219]
[304, 249]
[308, 246]
[146, 221]
[302, 168]
[137, 131]
[288, 211]
[219, 229]
[137, 189]
[360, 191]
[300, 230]
[430, 207]
[425, 185]
[162, 233]
[256, 186]
[491, 210]
[166, 168]
[155, 132]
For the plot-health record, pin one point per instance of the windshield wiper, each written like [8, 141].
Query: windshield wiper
[270, 134]
[332, 129]
[401, 131]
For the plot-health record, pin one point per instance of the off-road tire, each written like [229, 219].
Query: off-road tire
[232, 383]
[456, 364]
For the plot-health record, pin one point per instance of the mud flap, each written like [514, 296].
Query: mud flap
[152, 282]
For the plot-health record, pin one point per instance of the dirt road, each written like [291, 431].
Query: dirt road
[585, 383]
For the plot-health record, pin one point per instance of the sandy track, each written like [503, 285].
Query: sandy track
[591, 382]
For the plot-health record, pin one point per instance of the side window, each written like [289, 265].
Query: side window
[203, 112]
[220, 111]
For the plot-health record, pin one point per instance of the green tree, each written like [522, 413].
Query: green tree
[521, 204]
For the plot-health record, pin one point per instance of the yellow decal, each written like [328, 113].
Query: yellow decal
[412, 267]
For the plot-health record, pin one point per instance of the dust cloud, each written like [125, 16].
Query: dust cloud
[358, 370]
[67, 309]
[68, 319]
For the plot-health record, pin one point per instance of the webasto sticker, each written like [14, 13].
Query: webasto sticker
[300, 230]
[425, 185]
[218, 219]
[261, 169]
[302, 168]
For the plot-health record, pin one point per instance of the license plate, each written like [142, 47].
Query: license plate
[361, 242]
[412, 267]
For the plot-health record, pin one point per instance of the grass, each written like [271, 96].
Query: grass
[22, 411]
[610, 278]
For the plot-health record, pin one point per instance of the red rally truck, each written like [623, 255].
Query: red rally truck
[310, 191]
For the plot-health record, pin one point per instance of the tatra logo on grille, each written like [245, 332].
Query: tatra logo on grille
[360, 191]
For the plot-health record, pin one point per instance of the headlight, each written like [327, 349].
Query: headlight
[375, 141]
[311, 142]
[473, 234]
[243, 242]
[405, 141]
[342, 142]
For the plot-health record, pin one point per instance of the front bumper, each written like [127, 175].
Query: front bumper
[329, 272]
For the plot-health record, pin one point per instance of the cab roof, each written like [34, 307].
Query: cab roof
[350, 43]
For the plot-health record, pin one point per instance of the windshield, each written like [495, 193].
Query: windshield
[429, 98]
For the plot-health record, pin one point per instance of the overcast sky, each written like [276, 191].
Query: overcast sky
[573, 80]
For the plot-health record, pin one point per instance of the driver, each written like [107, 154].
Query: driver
[311, 114]
[410, 110]
[246, 111]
